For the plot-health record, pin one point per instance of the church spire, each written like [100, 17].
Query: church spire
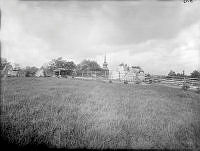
[105, 58]
[105, 64]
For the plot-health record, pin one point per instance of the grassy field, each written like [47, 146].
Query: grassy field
[90, 114]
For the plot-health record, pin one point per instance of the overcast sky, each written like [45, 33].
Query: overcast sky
[158, 36]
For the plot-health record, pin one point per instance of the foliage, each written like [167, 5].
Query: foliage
[180, 75]
[195, 74]
[176, 75]
[30, 71]
[88, 65]
[172, 73]
[58, 63]
[198, 89]
[4, 63]
[186, 85]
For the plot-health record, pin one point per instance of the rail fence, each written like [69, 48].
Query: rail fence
[178, 82]
[194, 83]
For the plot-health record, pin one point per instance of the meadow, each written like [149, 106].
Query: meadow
[91, 114]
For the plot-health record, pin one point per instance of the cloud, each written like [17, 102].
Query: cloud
[161, 56]
[164, 34]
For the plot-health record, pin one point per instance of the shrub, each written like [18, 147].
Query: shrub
[198, 90]
[185, 86]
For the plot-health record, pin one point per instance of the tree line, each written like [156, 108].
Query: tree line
[29, 71]
[84, 66]
[194, 74]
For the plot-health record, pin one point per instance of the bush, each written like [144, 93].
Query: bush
[198, 90]
[185, 86]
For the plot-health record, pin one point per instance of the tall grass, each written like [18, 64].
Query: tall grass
[89, 114]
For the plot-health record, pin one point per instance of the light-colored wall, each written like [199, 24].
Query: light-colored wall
[12, 73]
[123, 74]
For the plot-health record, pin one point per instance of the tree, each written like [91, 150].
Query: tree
[195, 74]
[89, 66]
[30, 71]
[4, 63]
[58, 63]
[171, 73]
[70, 65]
[5, 66]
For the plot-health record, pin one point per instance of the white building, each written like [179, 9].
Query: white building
[125, 73]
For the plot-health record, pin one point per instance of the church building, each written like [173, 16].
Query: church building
[105, 68]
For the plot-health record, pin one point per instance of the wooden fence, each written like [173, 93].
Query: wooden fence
[194, 83]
